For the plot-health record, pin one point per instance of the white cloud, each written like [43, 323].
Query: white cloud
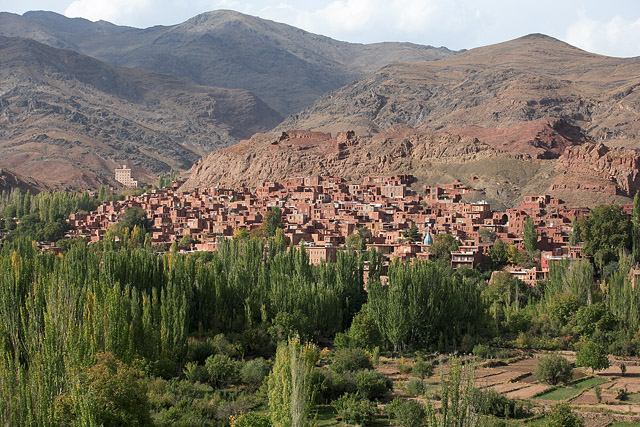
[118, 11]
[617, 36]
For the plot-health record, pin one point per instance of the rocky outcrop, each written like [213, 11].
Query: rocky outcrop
[297, 153]
[585, 167]
[10, 180]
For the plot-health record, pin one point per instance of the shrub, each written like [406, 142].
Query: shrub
[354, 409]
[251, 419]
[222, 346]
[407, 413]
[372, 384]
[196, 373]
[198, 351]
[554, 369]
[222, 370]
[330, 385]
[422, 369]
[562, 416]
[254, 372]
[490, 402]
[593, 356]
[414, 387]
[482, 351]
[350, 359]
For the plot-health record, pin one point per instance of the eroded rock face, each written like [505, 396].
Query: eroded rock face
[596, 167]
[297, 153]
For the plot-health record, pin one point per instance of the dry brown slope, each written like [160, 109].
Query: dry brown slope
[530, 78]
[432, 158]
[67, 119]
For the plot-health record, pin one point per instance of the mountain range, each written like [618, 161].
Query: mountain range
[532, 114]
[284, 66]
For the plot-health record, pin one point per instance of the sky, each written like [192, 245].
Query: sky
[607, 27]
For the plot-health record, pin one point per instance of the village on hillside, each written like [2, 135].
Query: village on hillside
[321, 212]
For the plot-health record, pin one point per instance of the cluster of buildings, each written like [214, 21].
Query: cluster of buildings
[323, 211]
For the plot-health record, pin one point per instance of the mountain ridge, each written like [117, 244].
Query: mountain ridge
[68, 119]
[224, 49]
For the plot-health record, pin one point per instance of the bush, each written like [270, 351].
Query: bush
[482, 351]
[372, 384]
[562, 416]
[196, 373]
[408, 413]
[350, 359]
[593, 356]
[198, 351]
[222, 370]
[354, 409]
[490, 402]
[330, 385]
[414, 387]
[254, 372]
[251, 419]
[422, 369]
[222, 346]
[554, 369]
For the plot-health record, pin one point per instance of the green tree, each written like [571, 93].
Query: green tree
[412, 234]
[498, 253]
[115, 393]
[487, 235]
[272, 221]
[605, 232]
[443, 245]
[574, 238]
[364, 332]
[134, 217]
[592, 355]
[222, 370]
[562, 416]
[554, 369]
[635, 229]
[289, 386]
[530, 237]
[408, 413]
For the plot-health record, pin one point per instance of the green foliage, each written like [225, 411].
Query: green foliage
[425, 305]
[350, 359]
[554, 369]
[605, 231]
[290, 390]
[592, 355]
[252, 419]
[372, 384]
[562, 416]
[408, 413]
[455, 392]
[443, 245]
[530, 237]
[134, 217]
[115, 395]
[354, 409]
[498, 253]
[222, 370]
[196, 373]
[412, 234]
[414, 387]
[254, 372]
[490, 402]
[272, 221]
[363, 333]
[422, 369]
